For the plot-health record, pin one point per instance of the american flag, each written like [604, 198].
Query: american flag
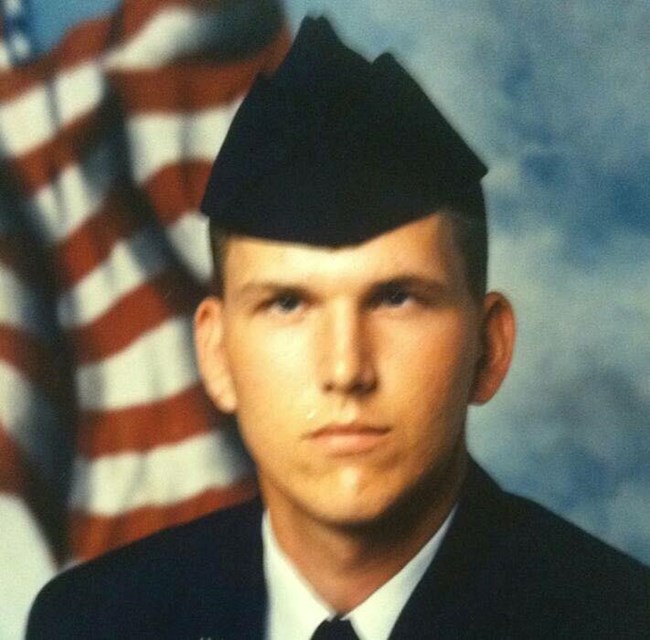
[106, 144]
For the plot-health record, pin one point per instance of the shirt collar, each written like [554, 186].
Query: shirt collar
[295, 609]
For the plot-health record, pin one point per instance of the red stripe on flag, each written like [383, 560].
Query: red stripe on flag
[177, 189]
[87, 41]
[141, 428]
[135, 13]
[92, 242]
[13, 470]
[95, 535]
[145, 307]
[192, 87]
[42, 164]
[33, 359]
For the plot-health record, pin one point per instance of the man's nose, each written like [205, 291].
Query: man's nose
[346, 353]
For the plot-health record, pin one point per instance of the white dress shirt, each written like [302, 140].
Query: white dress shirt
[295, 610]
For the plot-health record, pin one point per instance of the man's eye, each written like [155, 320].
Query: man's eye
[394, 297]
[285, 303]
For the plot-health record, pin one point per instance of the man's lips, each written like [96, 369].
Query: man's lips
[348, 439]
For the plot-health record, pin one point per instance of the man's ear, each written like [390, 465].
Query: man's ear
[497, 342]
[211, 356]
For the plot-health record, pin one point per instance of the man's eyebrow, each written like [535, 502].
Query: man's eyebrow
[413, 282]
[419, 282]
[265, 287]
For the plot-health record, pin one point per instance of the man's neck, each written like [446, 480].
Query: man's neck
[347, 564]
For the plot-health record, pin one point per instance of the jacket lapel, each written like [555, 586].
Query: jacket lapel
[224, 591]
[457, 597]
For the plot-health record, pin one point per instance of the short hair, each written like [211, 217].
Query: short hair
[469, 216]
[467, 211]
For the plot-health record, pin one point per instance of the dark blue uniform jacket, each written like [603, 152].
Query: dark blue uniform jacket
[507, 568]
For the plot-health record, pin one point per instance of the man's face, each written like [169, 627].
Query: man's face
[350, 369]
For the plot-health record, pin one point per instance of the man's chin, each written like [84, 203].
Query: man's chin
[360, 516]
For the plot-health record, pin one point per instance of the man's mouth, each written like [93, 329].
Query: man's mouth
[348, 439]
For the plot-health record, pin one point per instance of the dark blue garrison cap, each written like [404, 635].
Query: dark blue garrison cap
[333, 150]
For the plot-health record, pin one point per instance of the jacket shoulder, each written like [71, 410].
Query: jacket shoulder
[556, 571]
[538, 536]
[140, 589]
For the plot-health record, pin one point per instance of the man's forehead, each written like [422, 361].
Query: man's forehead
[422, 246]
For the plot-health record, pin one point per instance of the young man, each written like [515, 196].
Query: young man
[349, 332]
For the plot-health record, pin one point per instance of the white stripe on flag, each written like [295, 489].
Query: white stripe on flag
[158, 364]
[36, 116]
[115, 484]
[189, 236]
[59, 207]
[160, 140]
[20, 307]
[130, 264]
[29, 418]
[175, 32]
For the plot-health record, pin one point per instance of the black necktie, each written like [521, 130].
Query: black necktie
[335, 629]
